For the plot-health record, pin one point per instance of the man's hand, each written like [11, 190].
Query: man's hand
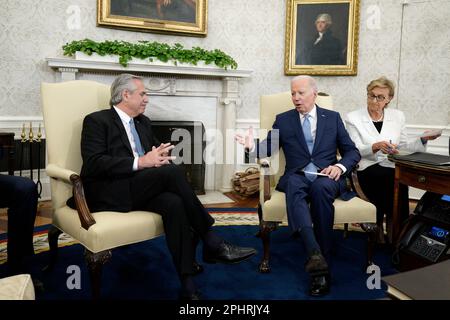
[385, 147]
[333, 172]
[247, 141]
[157, 157]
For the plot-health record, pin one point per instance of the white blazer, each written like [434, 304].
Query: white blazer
[364, 134]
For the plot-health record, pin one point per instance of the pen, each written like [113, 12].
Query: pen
[389, 148]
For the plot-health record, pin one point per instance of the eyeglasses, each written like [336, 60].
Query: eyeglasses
[379, 98]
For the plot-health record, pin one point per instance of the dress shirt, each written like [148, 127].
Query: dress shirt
[319, 38]
[313, 122]
[126, 123]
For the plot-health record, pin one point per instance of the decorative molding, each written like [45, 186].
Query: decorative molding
[83, 65]
[227, 101]
[167, 86]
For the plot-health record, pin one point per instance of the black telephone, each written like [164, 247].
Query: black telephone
[409, 235]
[428, 232]
[435, 207]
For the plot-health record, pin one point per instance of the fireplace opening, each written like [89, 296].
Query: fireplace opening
[187, 136]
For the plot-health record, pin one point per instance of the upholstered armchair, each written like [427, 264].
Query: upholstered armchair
[272, 205]
[64, 107]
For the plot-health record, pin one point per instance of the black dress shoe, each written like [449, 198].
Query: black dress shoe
[198, 268]
[316, 265]
[320, 285]
[227, 253]
[190, 297]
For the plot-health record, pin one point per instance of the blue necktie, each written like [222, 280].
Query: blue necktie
[310, 143]
[137, 141]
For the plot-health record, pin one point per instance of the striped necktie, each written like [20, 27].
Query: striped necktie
[137, 141]
[310, 143]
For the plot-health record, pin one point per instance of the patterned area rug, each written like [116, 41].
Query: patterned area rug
[223, 217]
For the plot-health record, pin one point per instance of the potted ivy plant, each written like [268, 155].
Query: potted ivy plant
[150, 51]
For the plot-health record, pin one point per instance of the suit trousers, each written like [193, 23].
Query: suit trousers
[20, 196]
[166, 191]
[320, 195]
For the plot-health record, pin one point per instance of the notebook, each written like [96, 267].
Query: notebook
[426, 158]
[429, 283]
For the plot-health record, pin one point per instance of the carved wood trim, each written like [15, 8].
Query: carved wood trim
[86, 218]
[356, 186]
[267, 190]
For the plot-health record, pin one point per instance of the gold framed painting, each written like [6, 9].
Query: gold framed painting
[321, 37]
[186, 17]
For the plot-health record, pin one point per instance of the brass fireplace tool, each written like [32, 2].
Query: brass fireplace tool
[30, 141]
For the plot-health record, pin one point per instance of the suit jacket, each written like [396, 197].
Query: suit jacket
[108, 159]
[327, 51]
[330, 137]
[363, 132]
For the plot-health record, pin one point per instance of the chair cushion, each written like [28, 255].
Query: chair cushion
[112, 229]
[19, 287]
[355, 210]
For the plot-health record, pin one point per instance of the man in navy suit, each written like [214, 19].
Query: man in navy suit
[310, 137]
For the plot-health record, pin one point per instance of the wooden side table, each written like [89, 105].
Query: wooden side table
[426, 177]
[7, 144]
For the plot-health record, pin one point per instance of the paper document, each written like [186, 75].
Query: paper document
[431, 133]
[316, 173]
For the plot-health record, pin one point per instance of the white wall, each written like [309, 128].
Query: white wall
[252, 31]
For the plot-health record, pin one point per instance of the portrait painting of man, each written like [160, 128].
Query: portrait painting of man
[321, 37]
[322, 41]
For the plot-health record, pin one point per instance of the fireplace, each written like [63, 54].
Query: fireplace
[187, 136]
[179, 93]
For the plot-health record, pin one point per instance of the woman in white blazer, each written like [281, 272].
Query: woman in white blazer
[378, 131]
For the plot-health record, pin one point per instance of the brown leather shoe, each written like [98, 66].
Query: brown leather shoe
[316, 264]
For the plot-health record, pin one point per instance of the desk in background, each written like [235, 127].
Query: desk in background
[426, 177]
[7, 148]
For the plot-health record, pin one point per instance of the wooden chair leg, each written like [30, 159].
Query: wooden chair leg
[265, 229]
[345, 230]
[258, 234]
[372, 232]
[53, 234]
[95, 262]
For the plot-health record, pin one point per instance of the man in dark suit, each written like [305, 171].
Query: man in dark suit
[20, 196]
[126, 168]
[310, 137]
[323, 48]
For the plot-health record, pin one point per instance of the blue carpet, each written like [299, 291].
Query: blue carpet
[145, 271]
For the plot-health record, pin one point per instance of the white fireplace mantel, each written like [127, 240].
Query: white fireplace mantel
[69, 67]
[175, 80]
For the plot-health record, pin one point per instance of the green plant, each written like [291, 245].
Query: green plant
[150, 50]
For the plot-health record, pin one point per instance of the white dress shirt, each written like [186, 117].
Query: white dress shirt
[319, 38]
[126, 124]
[313, 122]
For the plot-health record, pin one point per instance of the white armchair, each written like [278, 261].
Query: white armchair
[64, 107]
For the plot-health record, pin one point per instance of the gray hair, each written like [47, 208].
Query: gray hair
[312, 83]
[325, 17]
[120, 84]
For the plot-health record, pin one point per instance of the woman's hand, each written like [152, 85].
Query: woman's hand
[385, 147]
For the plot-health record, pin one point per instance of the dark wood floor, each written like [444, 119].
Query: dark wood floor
[45, 211]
